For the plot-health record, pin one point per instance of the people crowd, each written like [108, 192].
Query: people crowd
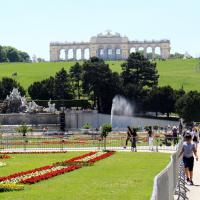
[190, 136]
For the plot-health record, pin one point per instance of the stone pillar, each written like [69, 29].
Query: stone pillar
[105, 54]
[74, 54]
[82, 54]
[165, 52]
[114, 55]
[66, 54]
[153, 53]
[125, 51]
[54, 53]
[145, 52]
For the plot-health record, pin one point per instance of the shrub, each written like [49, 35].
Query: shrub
[106, 128]
[87, 126]
[24, 129]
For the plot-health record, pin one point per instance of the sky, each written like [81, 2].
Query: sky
[30, 25]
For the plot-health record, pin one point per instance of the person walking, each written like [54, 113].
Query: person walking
[150, 138]
[134, 140]
[187, 151]
[132, 137]
[195, 136]
[175, 135]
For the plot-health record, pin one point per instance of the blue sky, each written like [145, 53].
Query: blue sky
[30, 25]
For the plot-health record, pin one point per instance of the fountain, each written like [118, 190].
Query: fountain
[51, 107]
[121, 107]
[15, 103]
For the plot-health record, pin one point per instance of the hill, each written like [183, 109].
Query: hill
[176, 73]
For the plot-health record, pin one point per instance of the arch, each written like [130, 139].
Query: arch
[62, 55]
[86, 54]
[101, 53]
[118, 54]
[78, 54]
[132, 50]
[149, 52]
[141, 50]
[109, 53]
[70, 54]
[157, 52]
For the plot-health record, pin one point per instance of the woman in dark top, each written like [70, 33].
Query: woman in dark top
[132, 137]
[134, 140]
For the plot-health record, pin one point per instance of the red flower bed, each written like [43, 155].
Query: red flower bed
[36, 179]
[46, 172]
[4, 156]
[102, 156]
[34, 152]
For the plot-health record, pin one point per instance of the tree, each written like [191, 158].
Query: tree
[162, 99]
[23, 57]
[7, 85]
[42, 90]
[3, 56]
[139, 71]
[100, 83]
[12, 54]
[167, 100]
[76, 74]
[106, 129]
[188, 106]
[62, 85]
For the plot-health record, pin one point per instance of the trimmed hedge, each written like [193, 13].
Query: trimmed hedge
[65, 103]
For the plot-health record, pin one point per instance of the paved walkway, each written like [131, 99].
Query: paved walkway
[194, 193]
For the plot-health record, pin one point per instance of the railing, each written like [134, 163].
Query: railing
[171, 180]
[84, 142]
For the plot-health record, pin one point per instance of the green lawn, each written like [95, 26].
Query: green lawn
[175, 72]
[122, 176]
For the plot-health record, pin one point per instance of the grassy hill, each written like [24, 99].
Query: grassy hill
[176, 73]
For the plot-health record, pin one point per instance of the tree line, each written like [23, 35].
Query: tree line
[138, 81]
[11, 54]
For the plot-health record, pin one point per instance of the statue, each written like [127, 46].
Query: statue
[51, 107]
[32, 107]
[13, 102]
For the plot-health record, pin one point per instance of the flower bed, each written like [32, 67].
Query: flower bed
[33, 152]
[46, 142]
[7, 187]
[4, 156]
[46, 172]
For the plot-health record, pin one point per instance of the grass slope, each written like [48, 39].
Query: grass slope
[176, 73]
[122, 176]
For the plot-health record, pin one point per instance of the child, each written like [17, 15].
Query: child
[188, 149]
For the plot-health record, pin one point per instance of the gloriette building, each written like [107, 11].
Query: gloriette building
[109, 47]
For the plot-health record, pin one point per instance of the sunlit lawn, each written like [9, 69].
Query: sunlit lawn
[122, 176]
[174, 72]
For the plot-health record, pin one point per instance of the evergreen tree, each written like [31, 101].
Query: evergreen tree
[139, 71]
[7, 85]
[100, 83]
[76, 75]
[188, 106]
[3, 56]
[62, 85]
